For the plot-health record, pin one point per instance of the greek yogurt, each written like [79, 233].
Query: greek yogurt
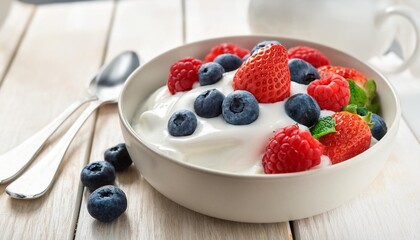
[215, 144]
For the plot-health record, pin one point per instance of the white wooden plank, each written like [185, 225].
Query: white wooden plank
[61, 50]
[11, 33]
[209, 19]
[389, 209]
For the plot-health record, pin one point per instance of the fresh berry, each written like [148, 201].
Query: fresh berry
[97, 174]
[263, 44]
[352, 137]
[379, 127]
[303, 109]
[229, 61]
[240, 108]
[291, 150]
[265, 74]
[210, 73]
[332, 92]
[182, 123]
[225, 48]
[118, 156]
[310, 55]
[209, 103]
[183, 74]
[345, 72]
[302, 72]
[107, 203]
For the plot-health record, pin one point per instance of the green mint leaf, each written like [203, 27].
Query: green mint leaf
[324, 126]
[357, 94]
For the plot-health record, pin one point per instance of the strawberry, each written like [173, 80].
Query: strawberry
[352, 137]
[310, 55]
[265, 74]
[225, 48]
[331, 92]
[183, 74]
[291, 150]
[358, 77]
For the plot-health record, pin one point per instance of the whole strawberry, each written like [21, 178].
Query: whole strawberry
[265, 74]
[225, 48]
[291, 150]
[352, 137]
[183, 74]
[331, 92]
[345, 72]
[310, 55]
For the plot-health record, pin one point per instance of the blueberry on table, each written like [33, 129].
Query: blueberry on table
[303, 109]
[240, 108]
[97, 174]
[182, 123]
[379, 127]
[302, 72]
[263, 44]
[210, 73]
[209, 103]
[107, 203]
[118, 156]
[228, 61]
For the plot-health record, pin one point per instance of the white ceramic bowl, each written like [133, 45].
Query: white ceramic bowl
[252, 198]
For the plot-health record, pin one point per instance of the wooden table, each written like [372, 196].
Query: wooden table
[49, 53]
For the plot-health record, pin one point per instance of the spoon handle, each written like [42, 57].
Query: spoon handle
[13, 162]
[37, 180]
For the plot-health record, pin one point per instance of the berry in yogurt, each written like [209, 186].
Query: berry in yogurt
[277, 111]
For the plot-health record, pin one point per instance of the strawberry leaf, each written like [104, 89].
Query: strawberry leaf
[357, 94]
[324, 126]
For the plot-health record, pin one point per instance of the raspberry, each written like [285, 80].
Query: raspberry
[310, 55]
[332, 92]
[291, 150]
[183, 74]
[226, 48]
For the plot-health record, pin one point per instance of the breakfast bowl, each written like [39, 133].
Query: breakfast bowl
[245, 197]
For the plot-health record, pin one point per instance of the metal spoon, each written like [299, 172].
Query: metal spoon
[38, 179]
[13, 162]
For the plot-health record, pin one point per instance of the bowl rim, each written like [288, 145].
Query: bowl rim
[335, 167]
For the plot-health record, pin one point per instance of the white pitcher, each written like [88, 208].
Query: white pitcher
[362, 28]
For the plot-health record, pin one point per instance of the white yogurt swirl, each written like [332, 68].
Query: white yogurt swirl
[215, 144]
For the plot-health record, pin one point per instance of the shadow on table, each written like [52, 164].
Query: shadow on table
[50, 1]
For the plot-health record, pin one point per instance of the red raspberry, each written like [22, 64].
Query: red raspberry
[183, 74]
[310, 55]
[225, 48]
[332, 92]
[291, 150]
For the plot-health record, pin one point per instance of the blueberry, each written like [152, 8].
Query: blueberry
[302, 71]
[228, 61]
[303, 109]
[240, 108]
[182, 123]
[118, 156]
[210, 73]
[97, 174]
[107, 203]
[209, 103]
[263, 44]
[246, 57]
[379, 128]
